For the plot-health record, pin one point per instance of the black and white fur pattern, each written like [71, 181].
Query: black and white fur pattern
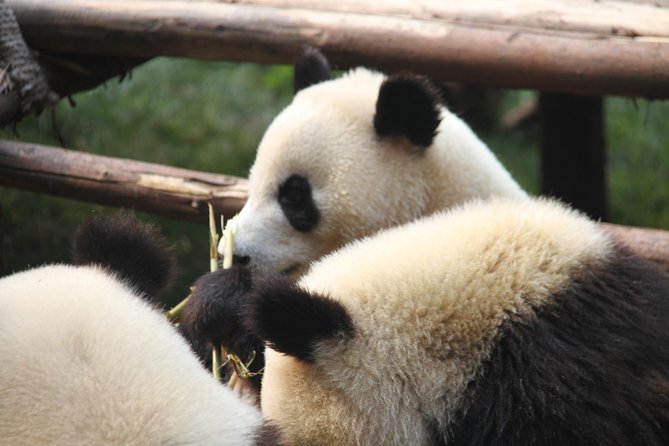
[346, 158]
[512, 322]
[84, 360]
[354, 155]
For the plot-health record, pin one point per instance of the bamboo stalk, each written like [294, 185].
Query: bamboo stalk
[173, 313]
[213, 240]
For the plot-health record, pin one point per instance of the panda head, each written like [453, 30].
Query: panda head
[511, 322]
[85, 359]
[344, 159]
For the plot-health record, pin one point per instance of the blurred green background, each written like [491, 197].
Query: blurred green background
[211, 115]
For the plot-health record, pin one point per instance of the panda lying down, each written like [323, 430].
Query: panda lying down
[84, 360]
[507, 322]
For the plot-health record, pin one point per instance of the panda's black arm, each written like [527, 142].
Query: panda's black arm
[128, 247]
[213, 315]
[292, 320]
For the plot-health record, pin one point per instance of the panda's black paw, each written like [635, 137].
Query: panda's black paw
[293, 320]
[213, 316]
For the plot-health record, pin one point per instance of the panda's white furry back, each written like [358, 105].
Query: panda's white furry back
[84, 360]
[500, 323]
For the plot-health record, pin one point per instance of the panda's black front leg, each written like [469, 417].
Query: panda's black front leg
[213, 316]
[293, 320]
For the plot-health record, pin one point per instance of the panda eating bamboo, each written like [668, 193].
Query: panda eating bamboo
[348, 157]
[506, 321]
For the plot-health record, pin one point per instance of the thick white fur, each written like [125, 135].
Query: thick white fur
[427, 300]
[361, 183]
[83, 361]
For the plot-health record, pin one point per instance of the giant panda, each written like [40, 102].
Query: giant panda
[346, 158]
[506, 322]
[353, 155]
[86, 360]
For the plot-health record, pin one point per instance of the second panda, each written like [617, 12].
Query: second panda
[501, 323]
[86, 360]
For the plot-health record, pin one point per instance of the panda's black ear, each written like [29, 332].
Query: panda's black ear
[124, 245]
[311, 68]
[292, 320]
[408, 105]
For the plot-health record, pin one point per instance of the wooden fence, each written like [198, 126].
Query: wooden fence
[183, 194]
[571, 46]
[567, 46]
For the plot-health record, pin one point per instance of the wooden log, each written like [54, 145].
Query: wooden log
[489, 52]
[169, 191]
[183, 194]
[611, 18]
[652, 244]
[573, 151]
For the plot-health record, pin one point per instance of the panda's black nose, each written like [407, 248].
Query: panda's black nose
[240, 260]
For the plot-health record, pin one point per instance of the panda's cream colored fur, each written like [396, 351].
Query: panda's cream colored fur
[426, 300]
[361, 182]
[84, 361]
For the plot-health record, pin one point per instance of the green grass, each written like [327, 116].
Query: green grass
[210, 116]
[638, 139]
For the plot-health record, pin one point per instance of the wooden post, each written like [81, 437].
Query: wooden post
[573, 151]
[2, 231]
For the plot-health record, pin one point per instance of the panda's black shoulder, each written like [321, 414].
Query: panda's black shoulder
[589, 368]
[122, 244]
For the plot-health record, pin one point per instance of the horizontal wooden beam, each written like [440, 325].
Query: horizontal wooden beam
[652, 244]
[522, 51]
[177, 193]
[183, 194]
[594, 18]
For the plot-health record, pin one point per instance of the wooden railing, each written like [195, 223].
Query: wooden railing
[182, 193]
[572, 46]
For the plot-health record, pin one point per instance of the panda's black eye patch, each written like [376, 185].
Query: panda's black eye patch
[297, 203]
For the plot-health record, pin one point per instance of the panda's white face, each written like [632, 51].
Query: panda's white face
[355, 155]
[316, 181]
